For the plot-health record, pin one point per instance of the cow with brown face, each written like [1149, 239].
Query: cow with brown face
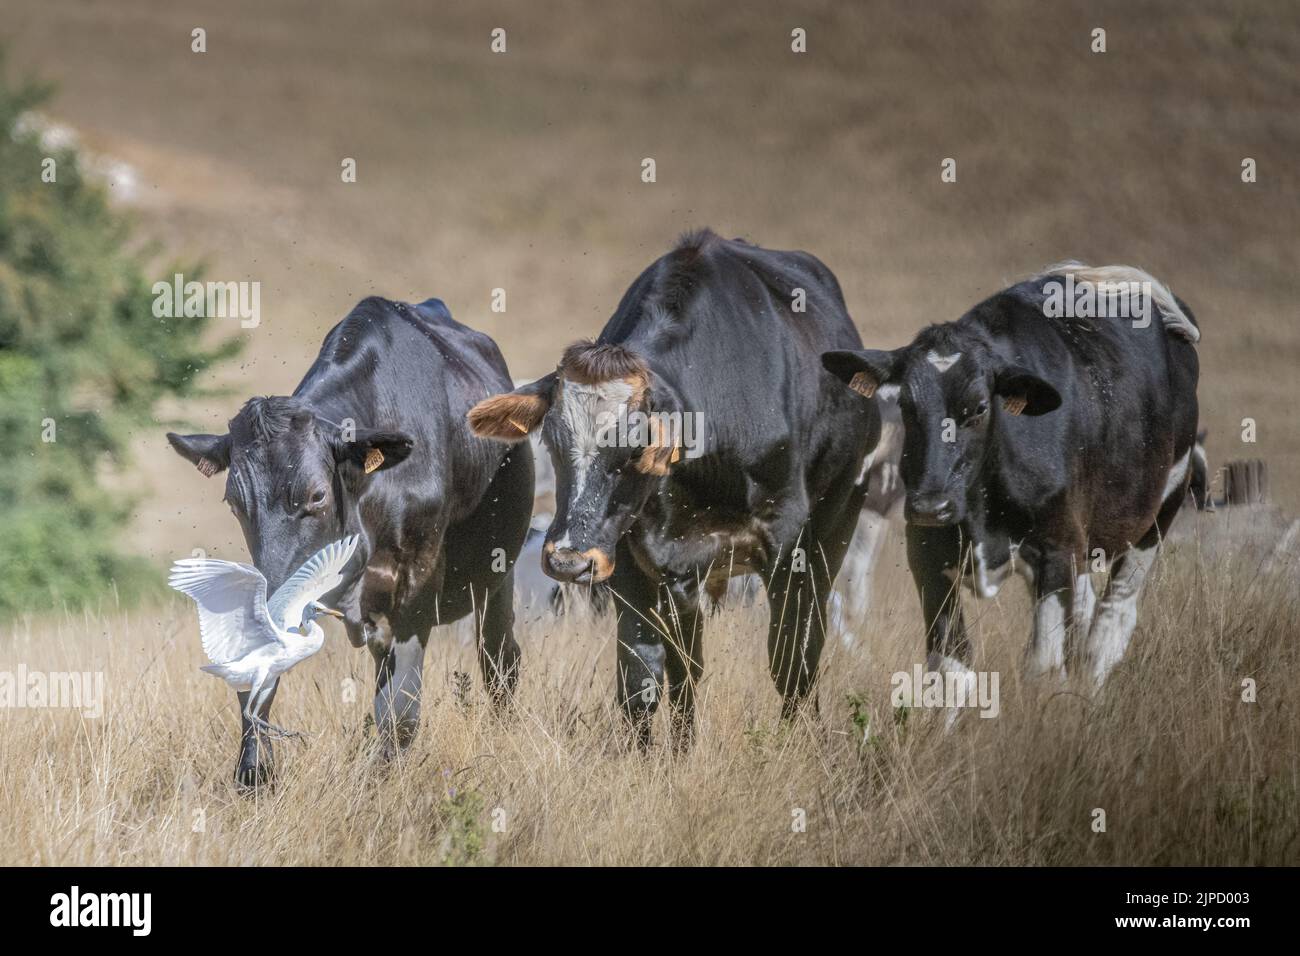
[1047, 442]
[373, 442]
[698, 438]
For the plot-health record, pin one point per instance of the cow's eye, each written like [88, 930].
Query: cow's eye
[315, 501]
[974, 417]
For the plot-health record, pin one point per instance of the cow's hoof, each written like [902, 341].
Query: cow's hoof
[251, 778]
[638, 738]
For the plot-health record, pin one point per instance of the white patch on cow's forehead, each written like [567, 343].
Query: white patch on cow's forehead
[942, 362]
[586, 411]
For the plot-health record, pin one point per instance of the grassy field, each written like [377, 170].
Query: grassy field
[522, 171]
[1185, 770]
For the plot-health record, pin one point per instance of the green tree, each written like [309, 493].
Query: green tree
[82, 360]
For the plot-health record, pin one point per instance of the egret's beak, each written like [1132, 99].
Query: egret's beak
[327, 610]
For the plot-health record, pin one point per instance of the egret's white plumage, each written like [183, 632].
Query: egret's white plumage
[249, 639]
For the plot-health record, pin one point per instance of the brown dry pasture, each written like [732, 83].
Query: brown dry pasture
[1185, 770]
[521, 171]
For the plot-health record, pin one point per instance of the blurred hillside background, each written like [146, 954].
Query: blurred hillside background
[522, 171]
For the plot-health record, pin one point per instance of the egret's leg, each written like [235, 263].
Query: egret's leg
[254, 767]
[259, 695]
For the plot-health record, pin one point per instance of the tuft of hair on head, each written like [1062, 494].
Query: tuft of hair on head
[268, 418]
[695, 239]
[593, 363]
[507, 417]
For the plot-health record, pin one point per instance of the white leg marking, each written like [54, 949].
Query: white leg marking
[1047, 648]
[1117, 613]
[942, 664]
[856, 574]
[1085, 603]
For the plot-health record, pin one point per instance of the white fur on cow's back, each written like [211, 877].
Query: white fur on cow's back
[1171, 313]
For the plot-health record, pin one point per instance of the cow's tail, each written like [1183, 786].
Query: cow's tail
[1172, 316]
[1199, 485]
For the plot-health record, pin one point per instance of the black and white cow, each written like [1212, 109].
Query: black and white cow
[373, 442]
[696, 439]
[1044, 443]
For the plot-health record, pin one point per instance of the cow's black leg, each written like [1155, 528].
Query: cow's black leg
[640, 663]
[399, 675]
[797, 590]
[498, 652]
[255, 757]
[684, 656]
[934, 557]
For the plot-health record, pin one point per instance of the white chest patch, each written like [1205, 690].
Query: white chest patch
[942, 362]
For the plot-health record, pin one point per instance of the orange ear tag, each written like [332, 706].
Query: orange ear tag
[374, 458]
[863, 384]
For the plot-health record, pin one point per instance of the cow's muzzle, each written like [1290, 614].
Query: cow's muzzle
[931, 511]
[576, 567]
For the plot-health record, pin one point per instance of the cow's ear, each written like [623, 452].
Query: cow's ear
[665, 417]
[1024, 393]
[510, 416]
[372, 450]
[863, 370]
[210, 454]
[663, 450]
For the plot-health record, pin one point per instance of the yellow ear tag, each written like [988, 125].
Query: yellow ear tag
[522, 429]
[374, 458]
[676, 455]
[1015, 404]
[863, 384]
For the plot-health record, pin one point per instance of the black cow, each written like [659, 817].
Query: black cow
[1047, 442]
[374, 442]
[740, 454]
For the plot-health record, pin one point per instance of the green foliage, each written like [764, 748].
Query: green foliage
[79, 348]
[463, 836]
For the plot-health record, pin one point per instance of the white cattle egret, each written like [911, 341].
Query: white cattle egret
[252, 641]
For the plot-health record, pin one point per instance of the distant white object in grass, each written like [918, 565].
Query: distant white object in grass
[252, 641]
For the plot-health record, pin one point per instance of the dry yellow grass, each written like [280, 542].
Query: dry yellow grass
[1186, 771]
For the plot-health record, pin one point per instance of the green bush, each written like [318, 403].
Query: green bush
[79, 348]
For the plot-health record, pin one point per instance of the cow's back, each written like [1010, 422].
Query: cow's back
[1128, 392]
[740, 329]
[414, 368]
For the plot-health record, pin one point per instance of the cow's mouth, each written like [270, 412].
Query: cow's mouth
[576, 567]
[931, 514]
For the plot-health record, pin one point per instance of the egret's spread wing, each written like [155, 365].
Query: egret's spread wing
[232, 606]
[322, 573]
